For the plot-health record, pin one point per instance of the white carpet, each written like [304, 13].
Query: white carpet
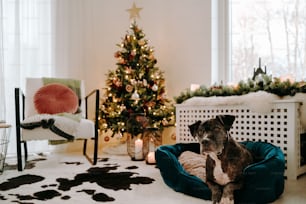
[69, 165]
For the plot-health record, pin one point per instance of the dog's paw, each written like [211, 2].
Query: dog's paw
[226, 200]
[216, 197]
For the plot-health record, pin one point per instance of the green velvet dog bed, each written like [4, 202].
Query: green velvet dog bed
[264, 179]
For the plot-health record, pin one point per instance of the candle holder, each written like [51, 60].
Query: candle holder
[153, 137]
[136, 141]
[135, 147]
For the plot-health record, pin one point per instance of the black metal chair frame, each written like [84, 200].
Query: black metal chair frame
[20, 113]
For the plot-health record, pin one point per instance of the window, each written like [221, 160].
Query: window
[272, 30]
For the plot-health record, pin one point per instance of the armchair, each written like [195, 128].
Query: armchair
[55, 109]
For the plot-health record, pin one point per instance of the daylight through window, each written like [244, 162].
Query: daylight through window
[273, 30]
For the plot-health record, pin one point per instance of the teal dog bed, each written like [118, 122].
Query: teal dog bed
[264, 179]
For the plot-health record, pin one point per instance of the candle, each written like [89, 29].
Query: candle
[138, 149]
[151, 145]
[151, 158]
[287, 77]
[194, 87]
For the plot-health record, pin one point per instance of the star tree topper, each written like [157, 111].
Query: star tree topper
[134, 11]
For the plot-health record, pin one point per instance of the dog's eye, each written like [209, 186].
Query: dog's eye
[217, 128]
[207, 127]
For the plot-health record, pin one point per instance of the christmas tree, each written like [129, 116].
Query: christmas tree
[137, 86]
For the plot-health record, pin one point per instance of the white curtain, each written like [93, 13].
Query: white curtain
[82, 49]
[2, 89]
[27, 49]
[56, 38]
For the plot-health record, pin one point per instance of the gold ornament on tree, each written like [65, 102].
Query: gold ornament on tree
[129, 88]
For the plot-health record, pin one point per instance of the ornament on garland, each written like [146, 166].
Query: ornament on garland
[259, 71]
[137, 84]
[260, 77]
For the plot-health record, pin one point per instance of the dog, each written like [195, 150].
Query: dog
[226, 158]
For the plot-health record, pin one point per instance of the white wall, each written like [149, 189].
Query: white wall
[179, 30]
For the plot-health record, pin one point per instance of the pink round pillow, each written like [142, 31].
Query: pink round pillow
[55, 98]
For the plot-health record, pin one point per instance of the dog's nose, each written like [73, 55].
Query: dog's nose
[205, 142]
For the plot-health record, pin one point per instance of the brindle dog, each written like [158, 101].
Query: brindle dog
[226, 158]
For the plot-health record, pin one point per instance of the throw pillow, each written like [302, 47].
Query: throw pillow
[55, 98]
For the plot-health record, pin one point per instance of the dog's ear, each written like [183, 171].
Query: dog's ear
[226, 120]
[194, 127]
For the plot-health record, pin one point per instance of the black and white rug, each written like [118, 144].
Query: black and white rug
[70, 178]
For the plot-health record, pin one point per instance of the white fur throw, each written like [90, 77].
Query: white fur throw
[66, 124]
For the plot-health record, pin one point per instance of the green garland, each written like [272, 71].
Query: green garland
[261, 83]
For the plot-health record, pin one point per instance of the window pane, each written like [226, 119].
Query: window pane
[273, 30]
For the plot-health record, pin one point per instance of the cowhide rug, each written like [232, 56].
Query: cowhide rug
[71, 179]
[56, 179]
